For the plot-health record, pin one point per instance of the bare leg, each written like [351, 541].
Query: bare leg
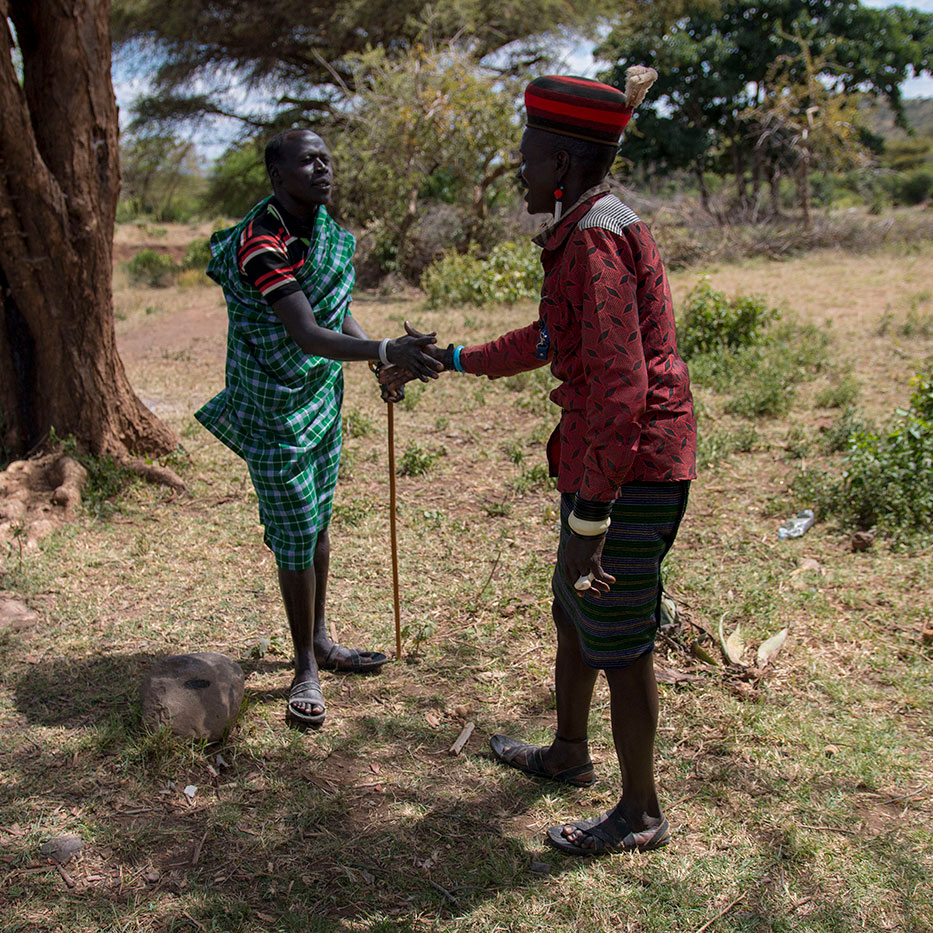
[298, 594]
[574, 680]
[329, 654]
[634, 712]
[322, 639]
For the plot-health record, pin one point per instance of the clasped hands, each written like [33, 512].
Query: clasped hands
[413, 356]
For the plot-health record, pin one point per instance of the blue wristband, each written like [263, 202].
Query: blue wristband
[457, 365]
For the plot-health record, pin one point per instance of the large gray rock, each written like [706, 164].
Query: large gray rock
[62, 849]
[197, 695]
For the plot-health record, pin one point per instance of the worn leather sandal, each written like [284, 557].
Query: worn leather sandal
[358, 662]
[307, 692]
[511, 752]
[609, 833]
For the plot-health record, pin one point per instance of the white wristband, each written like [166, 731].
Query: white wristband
[587, 528]
[382, 351]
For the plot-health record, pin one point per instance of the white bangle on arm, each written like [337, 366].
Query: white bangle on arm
[382, 351]
[587, 529]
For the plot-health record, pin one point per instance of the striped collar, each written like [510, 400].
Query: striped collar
[552, 236]
[291, 222]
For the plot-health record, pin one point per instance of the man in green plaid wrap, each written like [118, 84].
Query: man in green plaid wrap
[287, 275]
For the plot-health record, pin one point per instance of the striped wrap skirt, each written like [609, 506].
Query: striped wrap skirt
[619, 627]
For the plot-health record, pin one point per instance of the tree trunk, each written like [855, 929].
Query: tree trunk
[803, 188]
[59, 183]
[738, 170]
[704, 191]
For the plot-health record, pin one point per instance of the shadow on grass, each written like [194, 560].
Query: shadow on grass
[81, 691]
[303, 834]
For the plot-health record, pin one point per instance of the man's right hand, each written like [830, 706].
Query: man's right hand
[408, 352]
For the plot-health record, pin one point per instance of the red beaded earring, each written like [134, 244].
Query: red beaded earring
[558, 202]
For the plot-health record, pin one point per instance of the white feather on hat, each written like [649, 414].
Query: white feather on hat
[638, 79]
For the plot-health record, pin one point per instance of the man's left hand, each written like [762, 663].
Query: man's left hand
[583, 556]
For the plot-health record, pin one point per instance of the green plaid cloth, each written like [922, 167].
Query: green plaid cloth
[280, 408]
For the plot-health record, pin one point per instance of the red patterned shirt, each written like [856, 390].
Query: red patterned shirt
[606, 326]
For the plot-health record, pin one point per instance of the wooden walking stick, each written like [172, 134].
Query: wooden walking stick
[390, 412]
[393, 536]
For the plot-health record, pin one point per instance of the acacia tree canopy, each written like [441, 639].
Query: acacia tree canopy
[294, 53]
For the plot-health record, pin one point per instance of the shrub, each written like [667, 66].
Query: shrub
[836, 437]
[915, 187]
[840, 393]
[510, 273]
[152, 268]
[887, 475]
[710, 321]
[197, 255]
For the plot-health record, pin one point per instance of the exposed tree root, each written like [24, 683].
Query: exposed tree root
[154, 473]
[44, 492]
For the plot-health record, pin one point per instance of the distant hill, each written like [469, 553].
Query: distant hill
[919, 113]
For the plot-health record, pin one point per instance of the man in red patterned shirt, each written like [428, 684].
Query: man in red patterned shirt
[623, 452]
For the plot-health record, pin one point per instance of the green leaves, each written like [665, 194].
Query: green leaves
[711, 321]
[510, 273]
[887, 474]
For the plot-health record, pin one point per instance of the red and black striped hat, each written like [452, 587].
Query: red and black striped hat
[583, 108]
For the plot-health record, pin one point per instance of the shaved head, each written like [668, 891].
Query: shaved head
[278, 145]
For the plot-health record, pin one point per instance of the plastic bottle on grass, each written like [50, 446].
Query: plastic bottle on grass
[796, 526]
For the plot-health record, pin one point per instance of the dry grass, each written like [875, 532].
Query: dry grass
[800, 798]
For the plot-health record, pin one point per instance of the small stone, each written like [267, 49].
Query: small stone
[153, 875]
[862, 540]
[197, 695]
[809, 563]
[190, 792]
[15, 615]
[541, 868]
[62, 849]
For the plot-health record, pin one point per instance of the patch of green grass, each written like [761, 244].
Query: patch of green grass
[514, 452]
[416, 460]
[718, 444]
[357, 423]
[533, 477]
[351, 512]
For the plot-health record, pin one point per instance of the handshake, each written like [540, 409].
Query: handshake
[413, 356]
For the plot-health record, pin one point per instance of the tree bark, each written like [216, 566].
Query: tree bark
[704, 191]
[738, 170]
[803, 187]
[59, 184]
